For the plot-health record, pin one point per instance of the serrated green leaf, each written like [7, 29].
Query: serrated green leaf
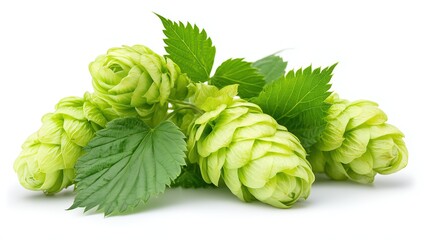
[308, 125]
[189, 48]
[238, 71]
[271, 67]
[297, 101]
[190, 178]
[127, 163]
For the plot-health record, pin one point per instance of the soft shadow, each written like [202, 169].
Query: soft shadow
[380, 182]
[326, 191]
[301, 204]
[384, 182]
[323, 180]
[38, 196]
[181, 196]
[172, 198]
[90, 212]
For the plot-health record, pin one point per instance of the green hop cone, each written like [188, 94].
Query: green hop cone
[256, 157]
[48, 156]
[358, 143]
[136, 81]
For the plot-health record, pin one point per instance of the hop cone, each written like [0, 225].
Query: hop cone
[48, 156]
[358, 143]
[135, 80]
[256, 157]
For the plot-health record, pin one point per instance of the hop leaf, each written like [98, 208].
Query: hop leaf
[127, 163]
[271, 67]
[189, 48]
[297, 101]
[190, 178]
[238, 71]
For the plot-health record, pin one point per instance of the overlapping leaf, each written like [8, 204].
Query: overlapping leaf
[127, 163]
[191, 178]
[238, 71]
[271, 67]
[189, 48]
[297, 101]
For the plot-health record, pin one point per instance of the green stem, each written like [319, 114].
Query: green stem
[173, 113]
[187, 105]
[170, 116]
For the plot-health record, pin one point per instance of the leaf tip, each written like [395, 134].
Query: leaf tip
[331, 68]
[73, 206]
[158, 15]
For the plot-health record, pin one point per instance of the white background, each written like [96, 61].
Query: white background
[382, 50]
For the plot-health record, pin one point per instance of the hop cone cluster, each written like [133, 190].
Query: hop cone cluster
[256, 157]
[358, 143]
[128, 82]
[136, 81]
[48, 156]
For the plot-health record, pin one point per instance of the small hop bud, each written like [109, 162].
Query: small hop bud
[358, 143]
[48, 156]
